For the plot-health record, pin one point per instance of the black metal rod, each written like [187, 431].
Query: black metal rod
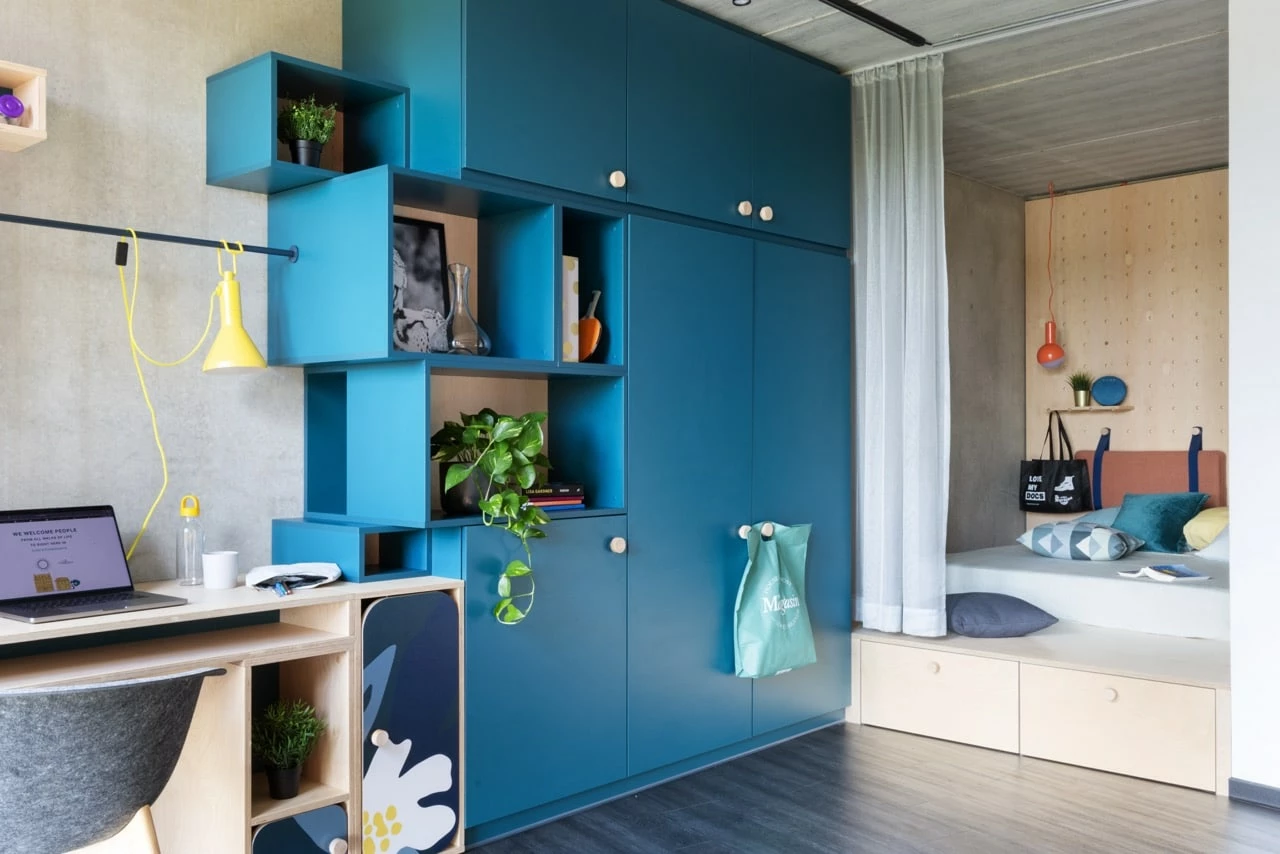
[880, 22]
[291, 253]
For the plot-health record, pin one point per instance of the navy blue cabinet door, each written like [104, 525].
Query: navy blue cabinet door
[546, 699]
[802, 409]
[802, 144]
[689, 333]
[689, 114]
[546, 91]
[411, 797]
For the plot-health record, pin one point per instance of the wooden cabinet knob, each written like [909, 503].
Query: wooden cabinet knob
[380, 738]
[618, 545]
[766, 213]
[745, 208]
[1111, 694]
[935, 667]
[338, 846]
[618, 179]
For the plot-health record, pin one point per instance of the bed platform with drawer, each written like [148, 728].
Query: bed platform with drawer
[1133, 679]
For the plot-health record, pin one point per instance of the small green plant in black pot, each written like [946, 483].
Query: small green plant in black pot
[283, 737]
[486, 460]
[307, 126]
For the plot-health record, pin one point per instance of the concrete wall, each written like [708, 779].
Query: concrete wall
[1254, 305]
[126, 147]
[985, 251]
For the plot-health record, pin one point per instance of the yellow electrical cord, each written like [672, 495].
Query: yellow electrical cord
[135, 350]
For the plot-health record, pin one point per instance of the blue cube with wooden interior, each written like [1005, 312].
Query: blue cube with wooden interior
[242, 106]
[362, 552]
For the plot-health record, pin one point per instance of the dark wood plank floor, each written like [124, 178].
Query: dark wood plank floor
[859, 789]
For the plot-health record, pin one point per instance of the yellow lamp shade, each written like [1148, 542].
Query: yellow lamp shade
[233, 351]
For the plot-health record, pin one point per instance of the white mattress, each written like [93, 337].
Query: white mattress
[1090, 591]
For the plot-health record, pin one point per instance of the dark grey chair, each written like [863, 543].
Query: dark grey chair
[77, 763]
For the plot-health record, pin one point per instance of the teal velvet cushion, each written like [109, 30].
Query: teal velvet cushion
[1105, 516]
[1158, 518]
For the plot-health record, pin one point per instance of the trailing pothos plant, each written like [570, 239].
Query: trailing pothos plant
[504, 456]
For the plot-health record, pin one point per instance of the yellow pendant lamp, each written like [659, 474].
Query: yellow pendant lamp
[233, 351]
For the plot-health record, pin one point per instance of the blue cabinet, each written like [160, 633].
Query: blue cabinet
[546, 699]
[802, 141]
[689, 364]
[689, 114]
[546, 86]
[801, 463]
[533, 91]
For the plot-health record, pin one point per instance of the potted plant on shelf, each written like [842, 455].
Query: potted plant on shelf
[306, 126]
[283, 737]
[1081, 384]
[486, 459]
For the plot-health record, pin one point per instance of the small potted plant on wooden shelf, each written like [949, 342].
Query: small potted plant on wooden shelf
[486, 460]
[1081, 384]
[307, 126]
[283, 737]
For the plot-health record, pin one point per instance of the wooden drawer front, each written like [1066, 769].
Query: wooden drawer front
[1155, 730]
[962, 698]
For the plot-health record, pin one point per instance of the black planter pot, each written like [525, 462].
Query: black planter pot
[282, 783]
[306, 152]
[463, 499]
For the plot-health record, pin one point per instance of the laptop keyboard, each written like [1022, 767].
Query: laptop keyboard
[83, 600]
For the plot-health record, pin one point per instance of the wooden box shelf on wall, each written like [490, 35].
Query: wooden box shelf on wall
[28, 85]
[1068, 409]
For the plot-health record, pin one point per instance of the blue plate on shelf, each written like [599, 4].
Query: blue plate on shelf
[1109, 391]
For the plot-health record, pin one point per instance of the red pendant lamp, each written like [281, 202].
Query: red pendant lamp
[1050, 355]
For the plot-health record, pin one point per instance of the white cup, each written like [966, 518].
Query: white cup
[220, 570]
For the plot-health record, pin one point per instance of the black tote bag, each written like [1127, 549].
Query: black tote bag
[1058, 484]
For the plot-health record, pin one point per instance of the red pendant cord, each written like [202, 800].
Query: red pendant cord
[1049, 264]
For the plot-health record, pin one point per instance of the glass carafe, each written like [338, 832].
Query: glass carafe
[465, 335]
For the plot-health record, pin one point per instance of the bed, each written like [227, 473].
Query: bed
[1091, 592]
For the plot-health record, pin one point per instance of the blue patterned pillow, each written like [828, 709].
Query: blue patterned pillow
[1079, 541]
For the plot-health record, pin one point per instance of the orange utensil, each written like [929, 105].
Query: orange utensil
[589, 330]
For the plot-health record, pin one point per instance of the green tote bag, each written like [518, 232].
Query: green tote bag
[771, 631]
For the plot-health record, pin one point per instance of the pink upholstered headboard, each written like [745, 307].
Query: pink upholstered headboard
[1157, 471]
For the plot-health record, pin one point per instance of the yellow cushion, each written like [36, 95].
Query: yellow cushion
[1205, 527]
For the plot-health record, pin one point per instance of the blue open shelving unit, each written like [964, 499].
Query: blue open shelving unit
[241, 109]
[369, 478]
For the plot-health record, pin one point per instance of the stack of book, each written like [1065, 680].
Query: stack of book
[553, 497]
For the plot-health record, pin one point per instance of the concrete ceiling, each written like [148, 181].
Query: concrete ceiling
[1138, 92]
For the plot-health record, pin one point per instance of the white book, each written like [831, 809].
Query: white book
[1165, 572]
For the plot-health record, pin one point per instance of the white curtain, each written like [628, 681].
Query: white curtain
[903, 373]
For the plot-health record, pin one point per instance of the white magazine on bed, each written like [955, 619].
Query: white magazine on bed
[1165, 572]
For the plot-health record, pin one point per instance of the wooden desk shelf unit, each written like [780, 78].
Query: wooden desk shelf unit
[214, 802]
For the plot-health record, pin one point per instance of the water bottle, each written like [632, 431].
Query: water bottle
[190, 542]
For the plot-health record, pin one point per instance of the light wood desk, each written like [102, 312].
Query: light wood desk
[213, 803]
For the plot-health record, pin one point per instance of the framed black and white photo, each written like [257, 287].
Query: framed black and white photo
[420, 301]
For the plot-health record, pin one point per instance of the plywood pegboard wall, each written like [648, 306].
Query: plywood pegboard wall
[1140, 274]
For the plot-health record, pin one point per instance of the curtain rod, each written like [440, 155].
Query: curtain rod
[291, 253]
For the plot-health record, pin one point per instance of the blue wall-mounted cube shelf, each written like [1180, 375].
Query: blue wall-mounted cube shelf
[362, 552]
[242, 105]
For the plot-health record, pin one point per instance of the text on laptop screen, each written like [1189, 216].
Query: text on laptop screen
[51, 556]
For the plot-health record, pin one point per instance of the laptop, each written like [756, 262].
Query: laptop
[65, 563]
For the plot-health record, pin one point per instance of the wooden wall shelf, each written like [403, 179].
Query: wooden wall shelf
[1090, 409]
[29, 85]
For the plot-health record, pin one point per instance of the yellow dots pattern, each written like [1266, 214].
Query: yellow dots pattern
[379, 829]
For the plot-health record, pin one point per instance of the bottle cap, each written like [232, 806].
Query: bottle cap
[189, 506]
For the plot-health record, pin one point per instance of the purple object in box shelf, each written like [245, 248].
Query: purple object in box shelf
[11, 107]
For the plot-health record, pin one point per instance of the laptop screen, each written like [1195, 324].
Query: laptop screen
[48, 552]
